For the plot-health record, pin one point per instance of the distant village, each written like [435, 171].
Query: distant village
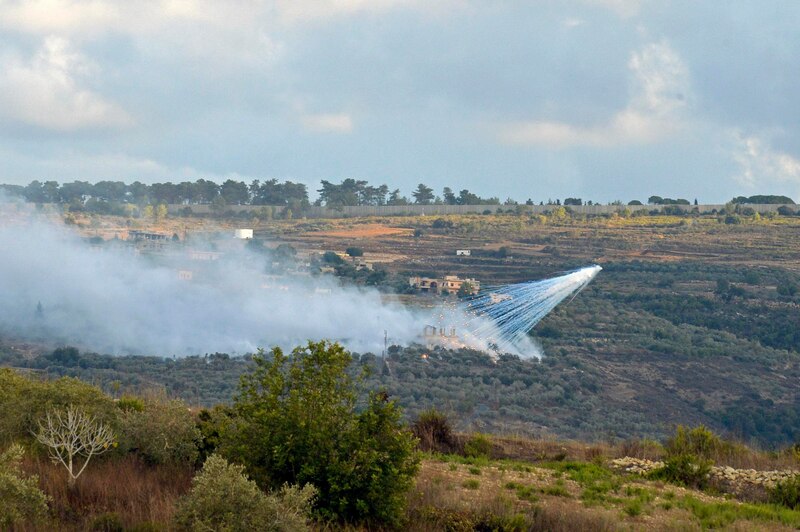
[189, 257]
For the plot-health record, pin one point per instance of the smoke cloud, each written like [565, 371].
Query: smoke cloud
[57, 287]
[54, 285]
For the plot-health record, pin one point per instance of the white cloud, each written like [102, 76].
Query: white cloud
[328, 123]
[46, 91]
[137, 17]
[760, 165]
[227, 33]
[660, 83]
[90, 17]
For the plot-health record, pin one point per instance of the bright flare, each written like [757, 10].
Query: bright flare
[515, 309]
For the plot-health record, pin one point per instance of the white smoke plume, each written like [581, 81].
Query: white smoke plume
[56, 287]
[112, 300]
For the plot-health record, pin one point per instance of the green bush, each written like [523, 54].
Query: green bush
[298, 423]
[163, 432]
[21, 499]
[478, 446]
[223, 498]
[685, 470]
[787, 493]
[433, 430]
[108, 522]
[127, 403]
[699, 441]
[23, 401]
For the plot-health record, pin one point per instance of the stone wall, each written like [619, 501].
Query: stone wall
[737, 479]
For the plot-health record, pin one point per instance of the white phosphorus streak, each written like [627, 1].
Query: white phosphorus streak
[513, 310]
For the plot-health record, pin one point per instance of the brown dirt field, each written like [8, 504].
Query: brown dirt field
[366, 231]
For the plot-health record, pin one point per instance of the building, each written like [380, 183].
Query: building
[148, 242]
[463, 252]
[243, 234]
[360, 264]
[449, 284]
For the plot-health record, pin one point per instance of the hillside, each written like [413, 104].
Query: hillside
[691, 321]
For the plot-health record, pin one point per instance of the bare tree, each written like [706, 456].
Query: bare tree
[71, 434]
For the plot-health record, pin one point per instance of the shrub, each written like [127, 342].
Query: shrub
[163, 432]
[127, 403]
[685, 470]
[698, 441]
[787, 493]
[471, 484]
[223, 498]
[354, 252]
[20, 498]
[23, 401]
[432, 429]
[478, 446]
[107, 522]
[298, 423]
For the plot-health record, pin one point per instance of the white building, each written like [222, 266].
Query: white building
[243, 234]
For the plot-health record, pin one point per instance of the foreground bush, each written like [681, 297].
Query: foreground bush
[24, 401]
[298, 423]
[478, 446]
[684, 470]
[161, 432]
[787, 493]
[433, 430]
[20, 498]
[223, 498]
[699, 441]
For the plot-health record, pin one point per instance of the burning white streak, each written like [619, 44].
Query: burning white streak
[510, 312]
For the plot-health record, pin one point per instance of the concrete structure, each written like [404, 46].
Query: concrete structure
[449, 284]
[463, 252]
[244, 234]
[148, 242]
[360, 264]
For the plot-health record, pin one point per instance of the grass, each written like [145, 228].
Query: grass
[544, 499]
[720, 514]
[633, 507]
[120, 489]
[471, 484]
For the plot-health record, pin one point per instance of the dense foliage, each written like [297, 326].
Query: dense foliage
[298, 422]
[223, 498]
[21, 500]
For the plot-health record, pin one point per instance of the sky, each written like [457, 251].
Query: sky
[599, 99]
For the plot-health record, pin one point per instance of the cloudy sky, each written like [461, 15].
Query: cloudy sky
[601, 99]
